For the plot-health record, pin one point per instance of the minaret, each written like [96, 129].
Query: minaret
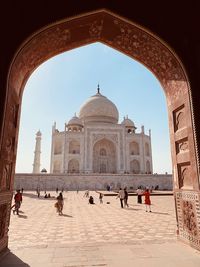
[36, 163]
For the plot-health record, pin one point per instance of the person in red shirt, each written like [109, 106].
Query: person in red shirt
[18, 200]
[147, 200]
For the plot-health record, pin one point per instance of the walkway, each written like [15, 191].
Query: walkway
[96, 235]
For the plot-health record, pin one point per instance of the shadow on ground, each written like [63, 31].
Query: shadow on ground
[33, 195]
[161, 213]
[11, 259]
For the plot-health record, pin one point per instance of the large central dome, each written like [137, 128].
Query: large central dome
[99, 108]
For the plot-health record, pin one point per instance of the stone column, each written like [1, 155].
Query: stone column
[36, 163]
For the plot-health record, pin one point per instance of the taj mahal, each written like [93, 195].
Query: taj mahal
[94, 142]
[94, 151]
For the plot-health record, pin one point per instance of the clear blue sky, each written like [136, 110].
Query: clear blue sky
[58, 87]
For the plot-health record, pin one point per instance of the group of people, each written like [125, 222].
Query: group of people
[123, 196]
[147, 200]
[91, 199]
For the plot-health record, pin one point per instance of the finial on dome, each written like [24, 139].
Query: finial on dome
[75, 114]
[98, 89]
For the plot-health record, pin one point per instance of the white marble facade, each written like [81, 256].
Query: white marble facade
[94, 142]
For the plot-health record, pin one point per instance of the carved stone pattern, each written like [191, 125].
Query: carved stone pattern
[183, 146]
[189, 225]
[179, 118]
[112, 137]
[3, 212]
[14, 114]
[45, 45]
[184, 175]
[189, 219]
[129, 38]
[96, 28]
[102, 132]
[6, 176]
[147, 49]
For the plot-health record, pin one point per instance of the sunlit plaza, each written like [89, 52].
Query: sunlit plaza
[95, 235]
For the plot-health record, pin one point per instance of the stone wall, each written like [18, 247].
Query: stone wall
[90, 181]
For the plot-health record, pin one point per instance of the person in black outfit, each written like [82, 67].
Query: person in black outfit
[91, 200]
[126, 198]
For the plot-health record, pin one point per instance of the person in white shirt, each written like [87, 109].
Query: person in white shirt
[121, 196]
[139, 195]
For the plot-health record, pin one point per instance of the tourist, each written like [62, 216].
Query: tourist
[59, 204]
[139, 195]
[126, 198]
[91, 200]
[121, 196]
[147, 200]
[57, 190]
[86, 193]
[38, 192]
[18, 201]
[100, 197]
[22, 190]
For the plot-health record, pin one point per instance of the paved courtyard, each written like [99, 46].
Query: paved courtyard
[95, 235]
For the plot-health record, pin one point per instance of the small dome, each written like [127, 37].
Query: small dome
[75, 121]
[99, 108]
[128, 123]
[44, 170]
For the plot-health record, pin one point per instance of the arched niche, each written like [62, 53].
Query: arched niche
[148, 167]
[134, 148]
[138, 43]
[73, 166]
[135, 166]
[104, 156]
[74, 147]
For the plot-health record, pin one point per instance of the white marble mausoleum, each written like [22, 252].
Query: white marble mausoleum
[95, 142]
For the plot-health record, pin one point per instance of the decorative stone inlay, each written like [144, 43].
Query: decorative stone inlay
[184, 176]
[96, 28]
[188, 213]
[3, 212]
[189, 218]
[182, 145]
[112, 137]
[140, 44]
[98, 134]
[5, 175]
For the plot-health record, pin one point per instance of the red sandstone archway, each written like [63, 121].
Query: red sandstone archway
[139, 44]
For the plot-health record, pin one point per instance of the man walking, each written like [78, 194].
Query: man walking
[121, 196]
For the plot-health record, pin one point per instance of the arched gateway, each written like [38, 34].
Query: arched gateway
[104, 157]
[141, 45]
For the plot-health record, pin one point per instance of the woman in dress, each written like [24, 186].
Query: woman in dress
[59, 204]
[147, 200]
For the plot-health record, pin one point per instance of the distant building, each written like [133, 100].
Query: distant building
[94, 142]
